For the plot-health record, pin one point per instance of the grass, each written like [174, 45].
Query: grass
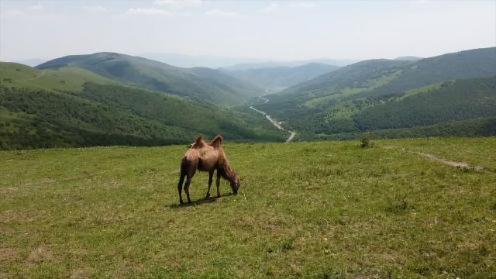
[320, 209]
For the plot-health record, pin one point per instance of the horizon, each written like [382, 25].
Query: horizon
[244, 61]
[257, 30]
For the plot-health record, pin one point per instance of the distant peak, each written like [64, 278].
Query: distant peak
[108, 54]
[408, 58]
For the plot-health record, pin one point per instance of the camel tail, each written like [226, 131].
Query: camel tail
[184, 167]
[183, 172]
[182, 175]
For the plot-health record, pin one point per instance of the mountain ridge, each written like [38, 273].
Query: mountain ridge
[71, 106]
[329, 103]
[153, 75]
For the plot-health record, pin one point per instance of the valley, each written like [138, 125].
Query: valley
[276, 124]
[137, 101]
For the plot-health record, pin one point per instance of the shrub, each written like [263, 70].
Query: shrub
[366, 142]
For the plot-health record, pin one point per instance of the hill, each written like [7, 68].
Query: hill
[273, 79]
[74, 107]
[311, 210]
[341, 101]
[198, 84]
[64, 79]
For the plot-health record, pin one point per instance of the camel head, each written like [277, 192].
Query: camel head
[234, 182]
[230, 175]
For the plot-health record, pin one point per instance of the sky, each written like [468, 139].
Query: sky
[273, 30]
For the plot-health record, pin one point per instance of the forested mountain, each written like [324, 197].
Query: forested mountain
[450, 101]
[395, 76]
[273, 79]
[391, 94]
[74, 107]
[363, 74]
[198, 84]
[109, 98]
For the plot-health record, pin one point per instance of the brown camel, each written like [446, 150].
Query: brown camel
[209, 157]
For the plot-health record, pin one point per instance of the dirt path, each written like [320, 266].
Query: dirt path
[292, 134]
[454, 164]
[458, 165]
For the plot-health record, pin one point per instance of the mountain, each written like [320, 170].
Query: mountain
[408, 58]
[190, 61]
[70, 106]
[364, 96]
[199, 84]
[235, 63]
[275, 79]
[364, 74]
[296, 63]
[450, 101]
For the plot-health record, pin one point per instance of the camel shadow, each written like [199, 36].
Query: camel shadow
[199, 201]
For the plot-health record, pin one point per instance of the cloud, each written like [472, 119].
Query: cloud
[36, 7]
[166, 8]
[276, 6]
[11, 13]
[147, 11]
[303, 4]
[95, 9]
[421, 2]
[179, 4]
[272, 7]
[221, 13]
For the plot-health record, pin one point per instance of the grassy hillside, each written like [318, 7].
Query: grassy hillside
[460, 65]
[476, 127]
[273, 79]
[409, 74]
[438, 106]
[74, 107]
[199, 84]
[13, 75]
[319, 210]
[390, 94]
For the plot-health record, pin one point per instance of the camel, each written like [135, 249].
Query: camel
[208, 157]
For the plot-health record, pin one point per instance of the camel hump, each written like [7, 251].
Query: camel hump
[199, 143]
[217, 141]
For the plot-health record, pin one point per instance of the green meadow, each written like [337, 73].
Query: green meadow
[314, 210]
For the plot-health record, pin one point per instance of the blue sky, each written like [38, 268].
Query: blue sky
[276, 30]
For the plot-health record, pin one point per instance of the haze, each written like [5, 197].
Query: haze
[276, 30]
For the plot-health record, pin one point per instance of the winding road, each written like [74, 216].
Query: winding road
[292, 134]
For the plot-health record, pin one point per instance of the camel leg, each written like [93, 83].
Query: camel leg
[186, 187]
[180, 187]
[217, 183]
[188, 182]
[210, 174]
